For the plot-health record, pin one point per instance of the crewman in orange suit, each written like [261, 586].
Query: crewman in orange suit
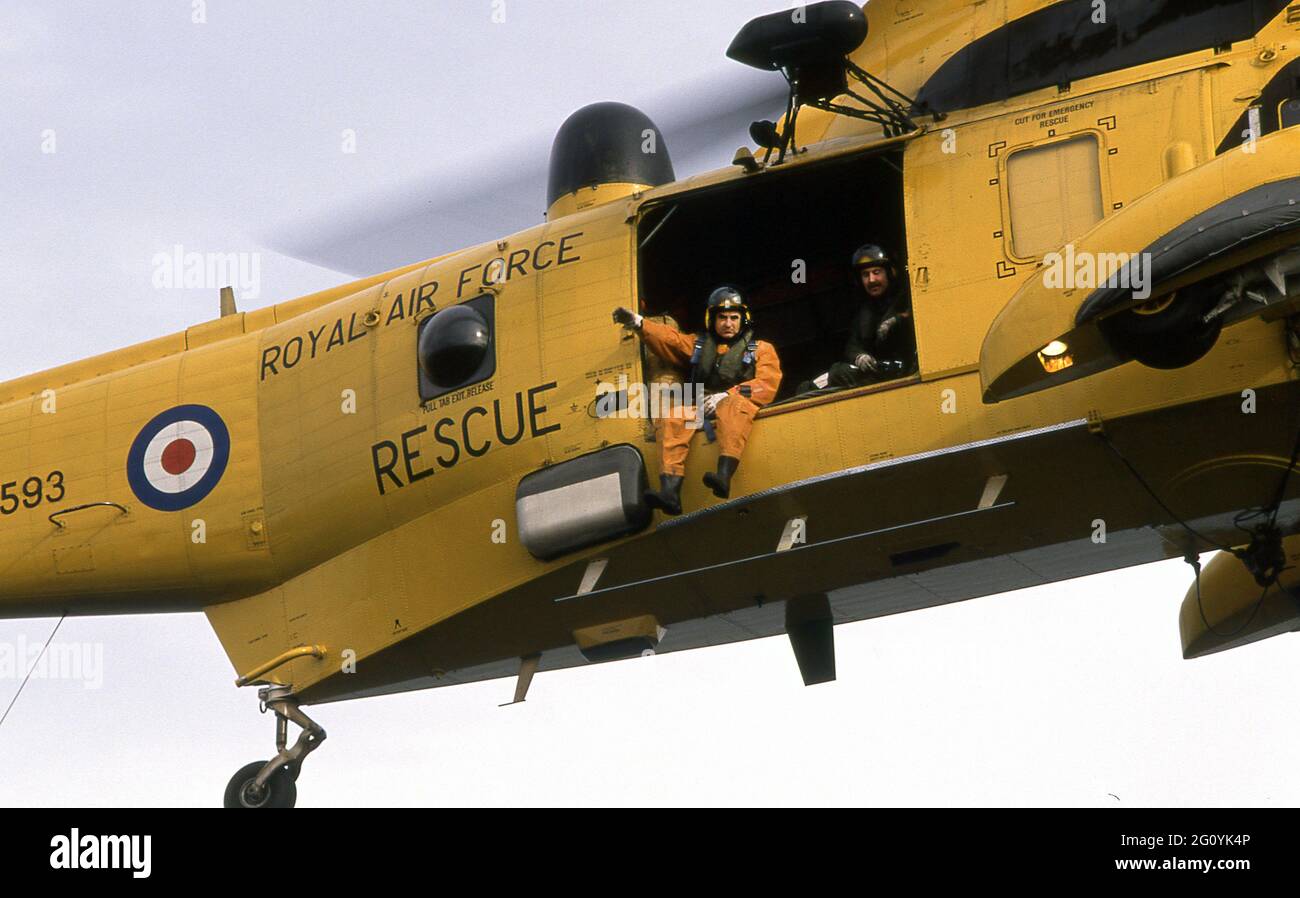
[736, 375]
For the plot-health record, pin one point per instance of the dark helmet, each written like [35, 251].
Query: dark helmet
[728, 298]
[873, 256]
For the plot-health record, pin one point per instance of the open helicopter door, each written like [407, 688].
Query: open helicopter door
[785, 237]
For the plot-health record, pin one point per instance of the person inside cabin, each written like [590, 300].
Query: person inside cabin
[734, 373]
[882, 342]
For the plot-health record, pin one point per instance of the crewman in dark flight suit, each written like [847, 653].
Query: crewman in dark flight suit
[882, 342]
[735, 374]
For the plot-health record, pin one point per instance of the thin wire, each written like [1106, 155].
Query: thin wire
[1113, 448]
[1272, 511]
[1196, 566]
[1275, 507]
[1286, 476]
[35, 664]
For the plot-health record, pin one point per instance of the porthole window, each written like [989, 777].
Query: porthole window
[456, 347]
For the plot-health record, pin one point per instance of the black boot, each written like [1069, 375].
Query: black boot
[669, 497]
[720, 482]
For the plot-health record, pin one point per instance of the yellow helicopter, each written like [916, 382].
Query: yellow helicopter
[1095, 210]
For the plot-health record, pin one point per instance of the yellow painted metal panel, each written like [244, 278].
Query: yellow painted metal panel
[1040, 313]
[1055, 193]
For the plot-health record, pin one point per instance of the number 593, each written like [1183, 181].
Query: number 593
[30, 492]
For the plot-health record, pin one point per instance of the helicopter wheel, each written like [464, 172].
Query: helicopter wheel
[1168, 332]
[280, 790]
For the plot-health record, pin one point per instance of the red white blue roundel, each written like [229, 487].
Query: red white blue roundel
[178, 457]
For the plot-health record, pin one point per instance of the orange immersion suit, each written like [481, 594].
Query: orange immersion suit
[734, 417]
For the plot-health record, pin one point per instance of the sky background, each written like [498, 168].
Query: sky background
[225, 136]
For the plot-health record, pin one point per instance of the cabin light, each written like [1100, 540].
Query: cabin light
[1055, 349]
[1053, 364]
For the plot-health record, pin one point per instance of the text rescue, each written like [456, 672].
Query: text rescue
[386, 454]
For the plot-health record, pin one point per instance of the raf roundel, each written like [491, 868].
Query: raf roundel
[178, 457]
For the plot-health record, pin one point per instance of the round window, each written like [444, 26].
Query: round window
[453, 346]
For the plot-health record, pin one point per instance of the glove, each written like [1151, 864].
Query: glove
[711, 403]
[886, 326]
[627, 317]
[865, 362]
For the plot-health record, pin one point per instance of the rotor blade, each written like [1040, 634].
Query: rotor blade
[485, 196]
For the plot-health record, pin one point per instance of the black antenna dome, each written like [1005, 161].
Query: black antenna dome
[605, 143]
[815, 35]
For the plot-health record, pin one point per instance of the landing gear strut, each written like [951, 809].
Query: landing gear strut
[273, 783]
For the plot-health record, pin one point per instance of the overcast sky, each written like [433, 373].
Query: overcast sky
[129, 129]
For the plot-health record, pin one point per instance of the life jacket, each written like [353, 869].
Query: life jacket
[717, 372]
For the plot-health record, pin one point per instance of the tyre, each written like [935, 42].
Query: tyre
[280, 790]
[1168, 332]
